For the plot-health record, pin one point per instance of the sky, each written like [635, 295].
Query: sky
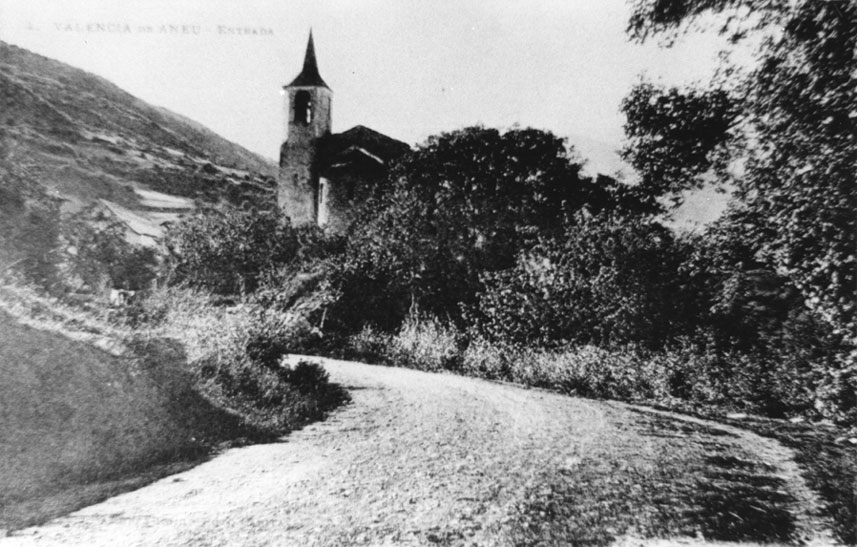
[407, 68]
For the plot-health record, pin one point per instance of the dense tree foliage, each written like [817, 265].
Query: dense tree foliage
[754, 323]
[794, 138]
[227, 250]
[607, 281]
[674, 136]
[103, 258]
[778, 274]
[465, 203]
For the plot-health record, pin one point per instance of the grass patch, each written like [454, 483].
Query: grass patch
[93, 406]
[421, 343]
[76, 415]
[234, 355]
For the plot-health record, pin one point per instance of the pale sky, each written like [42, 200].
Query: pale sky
[407, 68]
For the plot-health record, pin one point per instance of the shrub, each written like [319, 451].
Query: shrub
[485, 359]
[235, 352]
[103, 258]
[624, 374]
[690, 372]
[306, 292]
[268, 339]
[369, 344]
[424, 343]
[308, 377]
[227, 250]
[608, 281]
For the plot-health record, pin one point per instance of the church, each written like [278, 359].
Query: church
[324, 175]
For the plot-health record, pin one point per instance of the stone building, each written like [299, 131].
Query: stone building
[323, 175]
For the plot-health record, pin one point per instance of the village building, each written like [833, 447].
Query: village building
[324, 175]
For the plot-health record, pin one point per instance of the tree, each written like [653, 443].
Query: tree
[227, 250]
[103, 256]
[608, 280]
[795, 135]
[674, 135]
[465, 203]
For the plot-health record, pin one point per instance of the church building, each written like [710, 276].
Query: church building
[323, 175]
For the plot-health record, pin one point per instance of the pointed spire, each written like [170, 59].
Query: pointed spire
[309, 76]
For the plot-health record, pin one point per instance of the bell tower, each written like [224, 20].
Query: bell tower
[307, 120]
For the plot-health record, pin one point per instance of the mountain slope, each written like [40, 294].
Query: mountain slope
[84, 140]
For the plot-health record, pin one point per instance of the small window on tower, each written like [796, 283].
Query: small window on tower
[303, 107]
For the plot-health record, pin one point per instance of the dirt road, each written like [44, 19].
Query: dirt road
[419, 459]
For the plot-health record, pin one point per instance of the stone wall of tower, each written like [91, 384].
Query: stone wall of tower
[297, 187]
[298, 182]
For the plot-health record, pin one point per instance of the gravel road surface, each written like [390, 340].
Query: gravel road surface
[415, 459]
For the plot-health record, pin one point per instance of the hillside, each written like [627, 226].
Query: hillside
[81, 423]
[87, 141]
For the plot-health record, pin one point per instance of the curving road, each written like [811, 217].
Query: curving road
[415, 459]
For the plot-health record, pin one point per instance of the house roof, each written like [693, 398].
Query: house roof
[309, 76]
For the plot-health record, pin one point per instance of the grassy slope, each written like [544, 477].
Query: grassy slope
[91, 406]
[85, 139]
[58, 99]
[74, 416]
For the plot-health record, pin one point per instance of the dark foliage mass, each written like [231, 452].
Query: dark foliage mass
[227, 250]
[103, 258]
[794, 137]
[464, 203]
[607, 280]
[673, 135]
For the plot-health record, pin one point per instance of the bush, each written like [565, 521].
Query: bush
[369, 344]
[462, 204]
[586, 371]
[688, 373]
[235, 352]
[485, 359]
[268, 339]
[103, 258]
[424, 343]
[624, 374]
[609, 281]
[226, 251]
[308, 377]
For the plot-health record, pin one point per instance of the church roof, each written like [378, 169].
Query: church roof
[309, 76]
[340, 147]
